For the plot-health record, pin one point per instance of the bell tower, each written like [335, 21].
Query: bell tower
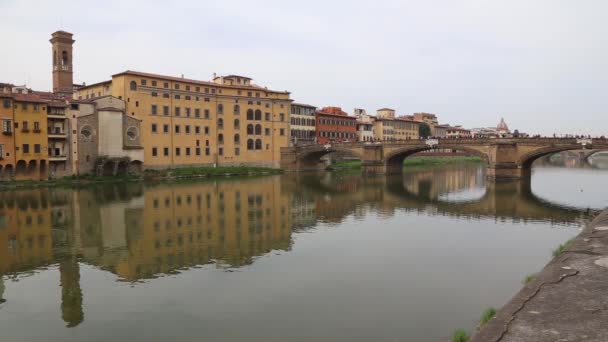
[63, 80]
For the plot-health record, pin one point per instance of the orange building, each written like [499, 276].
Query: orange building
[334, 125]
[7, 140]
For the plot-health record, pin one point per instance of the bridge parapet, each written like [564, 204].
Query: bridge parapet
[506, 158]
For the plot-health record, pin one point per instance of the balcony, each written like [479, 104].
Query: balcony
[36, 130]
[57, 135]
[25, 130]
[58, 158]
[55, 115]
[7, 132]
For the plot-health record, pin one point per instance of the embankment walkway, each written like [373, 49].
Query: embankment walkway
[567, 301]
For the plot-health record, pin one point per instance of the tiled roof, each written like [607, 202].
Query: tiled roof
[187, 80]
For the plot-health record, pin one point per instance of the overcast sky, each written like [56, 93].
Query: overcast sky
[542, 64]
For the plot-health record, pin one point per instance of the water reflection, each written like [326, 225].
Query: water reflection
[140, 232]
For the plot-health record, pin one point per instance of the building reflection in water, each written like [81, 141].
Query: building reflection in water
[139, 232]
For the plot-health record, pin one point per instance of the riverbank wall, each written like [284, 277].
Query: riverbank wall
[566, 301]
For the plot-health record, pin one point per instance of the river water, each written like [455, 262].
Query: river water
[323, 257]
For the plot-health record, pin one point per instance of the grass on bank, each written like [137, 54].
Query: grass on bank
[211, 171]
[487, 316]
[529, 278]
[415, 161]
[193, 172]
[460, 336]
[561, 248]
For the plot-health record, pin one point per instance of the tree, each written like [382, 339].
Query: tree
[424, 130]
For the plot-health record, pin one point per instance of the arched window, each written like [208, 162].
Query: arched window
[220, 123]
[249, 114]
[133, 85]
[237, 109]
[258, 144]
[220, 108]
[237, 124]
[64, 59]
[258, 114]
[237, 139]
[250, 144]
[258, 129]
[250, 129]
[220, 138]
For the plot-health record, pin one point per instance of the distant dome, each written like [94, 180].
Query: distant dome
[502, 126]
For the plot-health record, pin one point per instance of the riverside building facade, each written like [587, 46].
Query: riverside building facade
[186, 122]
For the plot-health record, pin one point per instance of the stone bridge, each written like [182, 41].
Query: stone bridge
[504, 158]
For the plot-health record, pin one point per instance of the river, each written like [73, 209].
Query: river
[324, 257]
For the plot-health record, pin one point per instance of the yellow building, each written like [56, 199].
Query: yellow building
[228, 121]
[7, 140]
[31, 140]
[405, 129]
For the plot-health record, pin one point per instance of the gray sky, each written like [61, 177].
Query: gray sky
[541, 64]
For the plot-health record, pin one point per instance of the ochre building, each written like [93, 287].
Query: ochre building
[185, 122]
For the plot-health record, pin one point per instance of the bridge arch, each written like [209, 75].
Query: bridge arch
[309, 156]
[526, 159]
[394, 159]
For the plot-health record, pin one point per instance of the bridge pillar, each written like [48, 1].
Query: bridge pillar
[503, 162]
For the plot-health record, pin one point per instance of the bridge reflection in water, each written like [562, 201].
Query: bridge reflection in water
[140, 232]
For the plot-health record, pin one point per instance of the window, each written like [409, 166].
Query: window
[197, 112]
[187, 129]
[154, 110]
[250, 144]
[177, 96]
[166, 110]
[221, 151]
[207, 151]
[237, 139]
[177, 111]
[24, 127]
[154, 94]
[36, 148]
[237, 124]
[220, 108]
[206, 129]
[133, 85]
[197, 129]
[187, 151]
[7, 103]
[177, 86]
[166, 95]
[178, 151]
[267, 116]
[166, 151]
[36, 126]
[154, 128]
[258, 144]
[198, 89]
[282, 131]
[267, 131]
[258, 129]
[7, 126]
[237, 109]
[187, 112]
[282, 116]
[237, 151]
[250, 129]
[258, 114]
[177, 129]
[188, 98]
[26, 148]
[198, 151]
[165, 128]
[206, 113]
[220, 139]
[154, 83]
[154, 152]
[220, 124]
[249, 114]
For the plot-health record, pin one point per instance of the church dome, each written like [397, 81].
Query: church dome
[502, 126]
